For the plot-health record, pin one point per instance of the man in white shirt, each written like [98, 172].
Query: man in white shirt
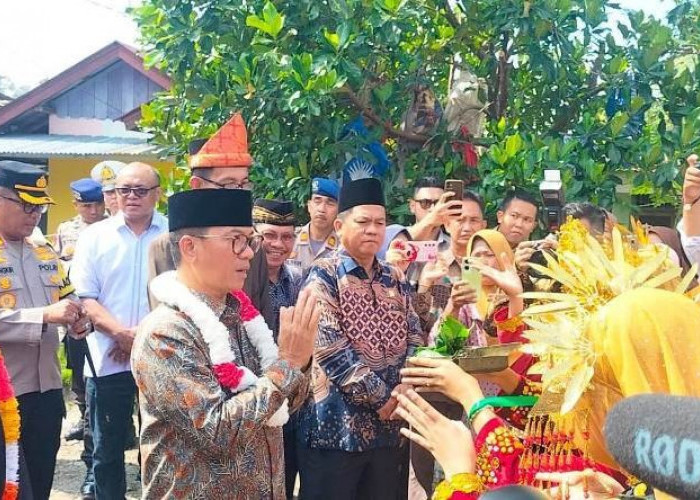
[111, 276]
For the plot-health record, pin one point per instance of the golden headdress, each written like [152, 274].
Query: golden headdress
[591, 274]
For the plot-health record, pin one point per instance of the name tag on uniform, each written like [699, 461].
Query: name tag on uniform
[7, 270]
[48, 267]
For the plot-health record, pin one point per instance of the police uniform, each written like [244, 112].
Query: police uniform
[303, 256]
[84, 191]
[31, 278]
[105, 173]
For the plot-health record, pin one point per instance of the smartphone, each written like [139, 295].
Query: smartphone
[471, 276]
[455, 186]
[424, 251]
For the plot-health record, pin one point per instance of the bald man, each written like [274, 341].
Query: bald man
[110, 270]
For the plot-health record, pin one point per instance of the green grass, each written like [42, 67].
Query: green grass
[65, 372]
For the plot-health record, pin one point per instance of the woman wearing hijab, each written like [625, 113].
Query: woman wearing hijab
[492, 314]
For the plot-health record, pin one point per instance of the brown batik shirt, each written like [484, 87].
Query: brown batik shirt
[197, 440]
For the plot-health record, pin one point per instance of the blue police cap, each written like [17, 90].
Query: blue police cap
[325, 187]
[87, 190]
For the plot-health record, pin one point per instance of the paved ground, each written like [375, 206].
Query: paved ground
[70, 470]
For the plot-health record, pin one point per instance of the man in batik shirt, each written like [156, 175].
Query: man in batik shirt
[367, 329]
[274, 220]
[214, 389]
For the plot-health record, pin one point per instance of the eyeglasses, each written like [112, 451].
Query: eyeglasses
[247, 185]
[426, 203]
[239, 243]
[139, 192]
[273, 237]
[28, 208]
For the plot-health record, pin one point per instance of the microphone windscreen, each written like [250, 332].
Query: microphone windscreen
[656, 437]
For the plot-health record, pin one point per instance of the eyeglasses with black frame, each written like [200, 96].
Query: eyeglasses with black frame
[139, 192]
[239, 242]
[247, 185]
[28, 208]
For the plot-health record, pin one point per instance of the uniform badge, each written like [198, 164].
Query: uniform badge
[332, 241]
[41, 182]
[43, 253]
[8, 301]
[304, 237]
[107, 174]
[5, 283]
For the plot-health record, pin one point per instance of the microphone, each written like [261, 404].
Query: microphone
[656, 437]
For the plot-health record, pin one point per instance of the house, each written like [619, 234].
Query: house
[84, 115]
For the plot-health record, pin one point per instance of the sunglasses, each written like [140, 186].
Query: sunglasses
[139, 192]
[28, 208]
[239, 243]
[426, 203]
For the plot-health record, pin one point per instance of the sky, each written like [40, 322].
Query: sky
[41, 38]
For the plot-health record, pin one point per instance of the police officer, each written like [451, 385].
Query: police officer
[317, 238]
[89, 202]
[35, 298]
[106, 173]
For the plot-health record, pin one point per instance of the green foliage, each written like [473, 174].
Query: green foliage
[451, 338]
[300, 70]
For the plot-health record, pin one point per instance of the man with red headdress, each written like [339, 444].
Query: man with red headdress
[222, 162]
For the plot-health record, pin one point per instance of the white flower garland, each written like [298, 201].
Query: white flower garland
[169, 290]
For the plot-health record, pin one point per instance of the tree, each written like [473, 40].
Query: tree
[558, 91]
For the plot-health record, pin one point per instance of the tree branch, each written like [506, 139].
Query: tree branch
[392, 131]
[450, 15]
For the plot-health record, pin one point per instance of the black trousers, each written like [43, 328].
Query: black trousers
[343, 475]
[41, 415]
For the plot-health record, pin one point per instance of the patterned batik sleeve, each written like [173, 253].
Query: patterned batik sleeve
[335, 354]
[174, 376]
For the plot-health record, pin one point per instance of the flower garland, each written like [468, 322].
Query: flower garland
[9, 411]
[169, 290]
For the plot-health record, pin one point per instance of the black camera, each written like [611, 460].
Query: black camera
[552, 192]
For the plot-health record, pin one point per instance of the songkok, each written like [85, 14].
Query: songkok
[366, 191]
[106, 173]
[324, 187]
[29, 182]
[228, 147]
[276, 212]
[210, 208]
[87, 190]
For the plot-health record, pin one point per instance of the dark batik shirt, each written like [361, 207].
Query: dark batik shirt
[367, 329]
[284, 293]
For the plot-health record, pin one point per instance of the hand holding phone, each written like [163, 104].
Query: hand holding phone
[471, 276]
[456, 187]
[423, 251]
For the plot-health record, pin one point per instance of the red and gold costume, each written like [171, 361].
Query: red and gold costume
[611, 333]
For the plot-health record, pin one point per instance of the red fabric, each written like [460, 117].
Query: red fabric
[460, 495]
[228, 147]
[248, 311]
[229, 375]
[469, 154]
[507, 336]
